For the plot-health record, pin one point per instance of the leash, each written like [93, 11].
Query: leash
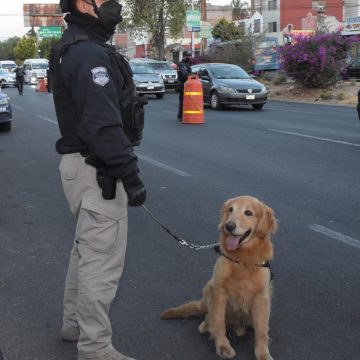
[177, 238]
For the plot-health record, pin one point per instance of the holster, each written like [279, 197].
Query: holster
[107, 184]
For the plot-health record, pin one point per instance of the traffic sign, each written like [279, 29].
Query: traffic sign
[49, 32]
[195, 29]
[193, 18]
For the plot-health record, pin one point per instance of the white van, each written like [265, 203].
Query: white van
[7, 64]
[35, 69]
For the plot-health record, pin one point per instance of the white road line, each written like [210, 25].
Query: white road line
[169, 112]
[335, 235]
[17, 107]
[163, 166]
[47, 119]
[316, 137]
[296, 111]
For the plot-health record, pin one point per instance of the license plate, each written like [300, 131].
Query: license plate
[250, 97]
[2, 109]
[151, 87]
[170, 80]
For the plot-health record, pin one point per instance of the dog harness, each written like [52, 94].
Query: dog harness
[265, 264]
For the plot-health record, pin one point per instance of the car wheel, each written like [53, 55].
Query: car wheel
[5, 127]
[160, 96]
[215, 101]
[258, 106]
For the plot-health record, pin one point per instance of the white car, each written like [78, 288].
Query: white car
[7, 78]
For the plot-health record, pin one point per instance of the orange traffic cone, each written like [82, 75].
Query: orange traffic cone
[193, 110]
[41, 85]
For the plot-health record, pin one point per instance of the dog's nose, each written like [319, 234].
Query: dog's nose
[230, 226]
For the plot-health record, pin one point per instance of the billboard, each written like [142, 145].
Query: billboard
[351, 26]
[36, 15]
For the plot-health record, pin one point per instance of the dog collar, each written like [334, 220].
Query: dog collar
[265, 264]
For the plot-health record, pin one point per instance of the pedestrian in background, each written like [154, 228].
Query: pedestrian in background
[49, 82]
[99, 171]
[184, 70]
[358, 105]
[20, 78]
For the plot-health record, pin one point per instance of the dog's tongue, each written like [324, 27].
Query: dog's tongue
[232, 242]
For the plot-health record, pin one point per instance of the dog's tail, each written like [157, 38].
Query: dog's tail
[190, 309]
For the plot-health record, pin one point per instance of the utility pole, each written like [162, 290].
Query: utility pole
[203, 18]
[192, 34]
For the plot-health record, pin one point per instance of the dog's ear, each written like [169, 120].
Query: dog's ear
[224, 212]
[267, 224]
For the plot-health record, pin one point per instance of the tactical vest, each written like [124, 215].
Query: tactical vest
[131, 106]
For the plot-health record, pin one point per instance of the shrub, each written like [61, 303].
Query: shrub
[316, 61]
[326, 95]
[279, 80]
[341, 96]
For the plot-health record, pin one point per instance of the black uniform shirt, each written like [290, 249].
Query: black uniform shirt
[92, 82]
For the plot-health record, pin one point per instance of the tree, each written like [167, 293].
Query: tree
[156, 16]
[240, 10]
[25, 49]
[226, 31]
[7, 48]
[46, 45]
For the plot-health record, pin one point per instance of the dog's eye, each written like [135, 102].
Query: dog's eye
[248, 213]
[231, 209]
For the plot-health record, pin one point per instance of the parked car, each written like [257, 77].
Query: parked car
[168, 74]
[227, 84]
[35, 69]
[353, 69]
[7, 78]
[7, 64]
[147, 81]
[5, 112]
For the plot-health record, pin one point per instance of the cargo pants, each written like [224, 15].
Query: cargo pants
[97, 256]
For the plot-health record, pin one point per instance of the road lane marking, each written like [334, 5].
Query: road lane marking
[169, 112]
[163, 166]
[47, 119]
[296, 111]
[335, 235]
[315, 137]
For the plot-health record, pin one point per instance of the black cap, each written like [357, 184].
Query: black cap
[186, 53]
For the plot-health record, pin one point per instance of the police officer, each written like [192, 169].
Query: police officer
[184, 70]
[20, 78]
[358, 104]
[92, 139]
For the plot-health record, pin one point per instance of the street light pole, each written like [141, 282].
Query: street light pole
[192, 34]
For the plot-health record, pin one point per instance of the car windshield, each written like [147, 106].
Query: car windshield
[142, 69]
[222, 71]
[5, 72]
[8, 66]
[40, 66]
[160, 66]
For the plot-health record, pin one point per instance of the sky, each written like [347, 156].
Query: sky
[11, 20]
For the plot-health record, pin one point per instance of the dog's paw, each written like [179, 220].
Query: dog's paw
[203, 327]
[224, 349]
[262, 354]
[240, 331]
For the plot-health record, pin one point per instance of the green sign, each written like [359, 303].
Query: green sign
[193, 18]
[49, 32]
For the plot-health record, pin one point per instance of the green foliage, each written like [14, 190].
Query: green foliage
[157, 17]
[341, 96]
[7, 48]
[25, 49]
[326, 95]
[45, 47]
[279, 80]
[226, 31]
[240, 9]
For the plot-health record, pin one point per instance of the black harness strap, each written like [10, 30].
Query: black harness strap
[265, 264]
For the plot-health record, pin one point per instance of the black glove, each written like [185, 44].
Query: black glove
[135, 190]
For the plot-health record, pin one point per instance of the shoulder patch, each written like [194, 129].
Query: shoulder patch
[100, 75]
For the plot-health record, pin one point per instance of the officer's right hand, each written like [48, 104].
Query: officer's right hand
[135, 190]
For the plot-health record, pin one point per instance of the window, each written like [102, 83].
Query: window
[272, 5]
[272, 27]
[257, 26]
[241, 26]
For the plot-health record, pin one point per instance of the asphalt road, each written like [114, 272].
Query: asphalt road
[302, 160]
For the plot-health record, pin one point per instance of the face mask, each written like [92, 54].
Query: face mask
[109, 13]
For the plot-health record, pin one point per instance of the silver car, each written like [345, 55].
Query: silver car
[147, 81]
[168, 74]
[7, 78]
[227, 84]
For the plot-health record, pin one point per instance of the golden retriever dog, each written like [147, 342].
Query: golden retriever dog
[239, 292]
